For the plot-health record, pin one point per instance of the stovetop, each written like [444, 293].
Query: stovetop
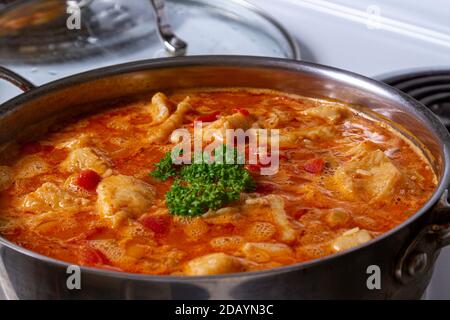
[431, 87]
[377, 38]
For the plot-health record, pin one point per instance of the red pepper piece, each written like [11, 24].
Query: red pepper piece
[314, 166]
[88, 180]
[242, 111]
[92, 256]
[158, 224]
[208, 117]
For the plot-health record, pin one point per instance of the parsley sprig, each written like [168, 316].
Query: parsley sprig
[199, 187]
[165, 168]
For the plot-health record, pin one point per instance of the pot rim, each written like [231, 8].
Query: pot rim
[238, 61]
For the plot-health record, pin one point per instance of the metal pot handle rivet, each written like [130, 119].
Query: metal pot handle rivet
[417, 264]
[419, 256]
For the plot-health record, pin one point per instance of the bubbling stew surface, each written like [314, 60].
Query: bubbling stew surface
[85, 193]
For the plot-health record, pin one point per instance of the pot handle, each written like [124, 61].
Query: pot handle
[421, 253]
[16, 79]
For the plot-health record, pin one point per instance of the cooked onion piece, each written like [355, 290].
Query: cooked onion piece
[123, 196]
[351, 238]
[161, 132]
[215, 263]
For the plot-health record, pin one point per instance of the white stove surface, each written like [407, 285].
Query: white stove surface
[371, 37]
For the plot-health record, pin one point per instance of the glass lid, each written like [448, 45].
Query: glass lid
[42, 32]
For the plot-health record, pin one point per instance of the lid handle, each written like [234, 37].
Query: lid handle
[16, 79]
[172, 43]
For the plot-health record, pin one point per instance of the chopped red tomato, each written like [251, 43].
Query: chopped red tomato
[314, 166]
[264, 188]
[158, 224]
[208, 117]
[242, 111]
[88, 180]
[92, 256]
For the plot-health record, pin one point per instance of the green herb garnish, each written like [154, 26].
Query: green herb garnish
[199, 187]
[165, 168]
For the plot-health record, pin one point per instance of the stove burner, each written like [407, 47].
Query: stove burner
[432, 88]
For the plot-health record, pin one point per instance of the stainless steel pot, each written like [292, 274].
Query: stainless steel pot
[403, 256]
